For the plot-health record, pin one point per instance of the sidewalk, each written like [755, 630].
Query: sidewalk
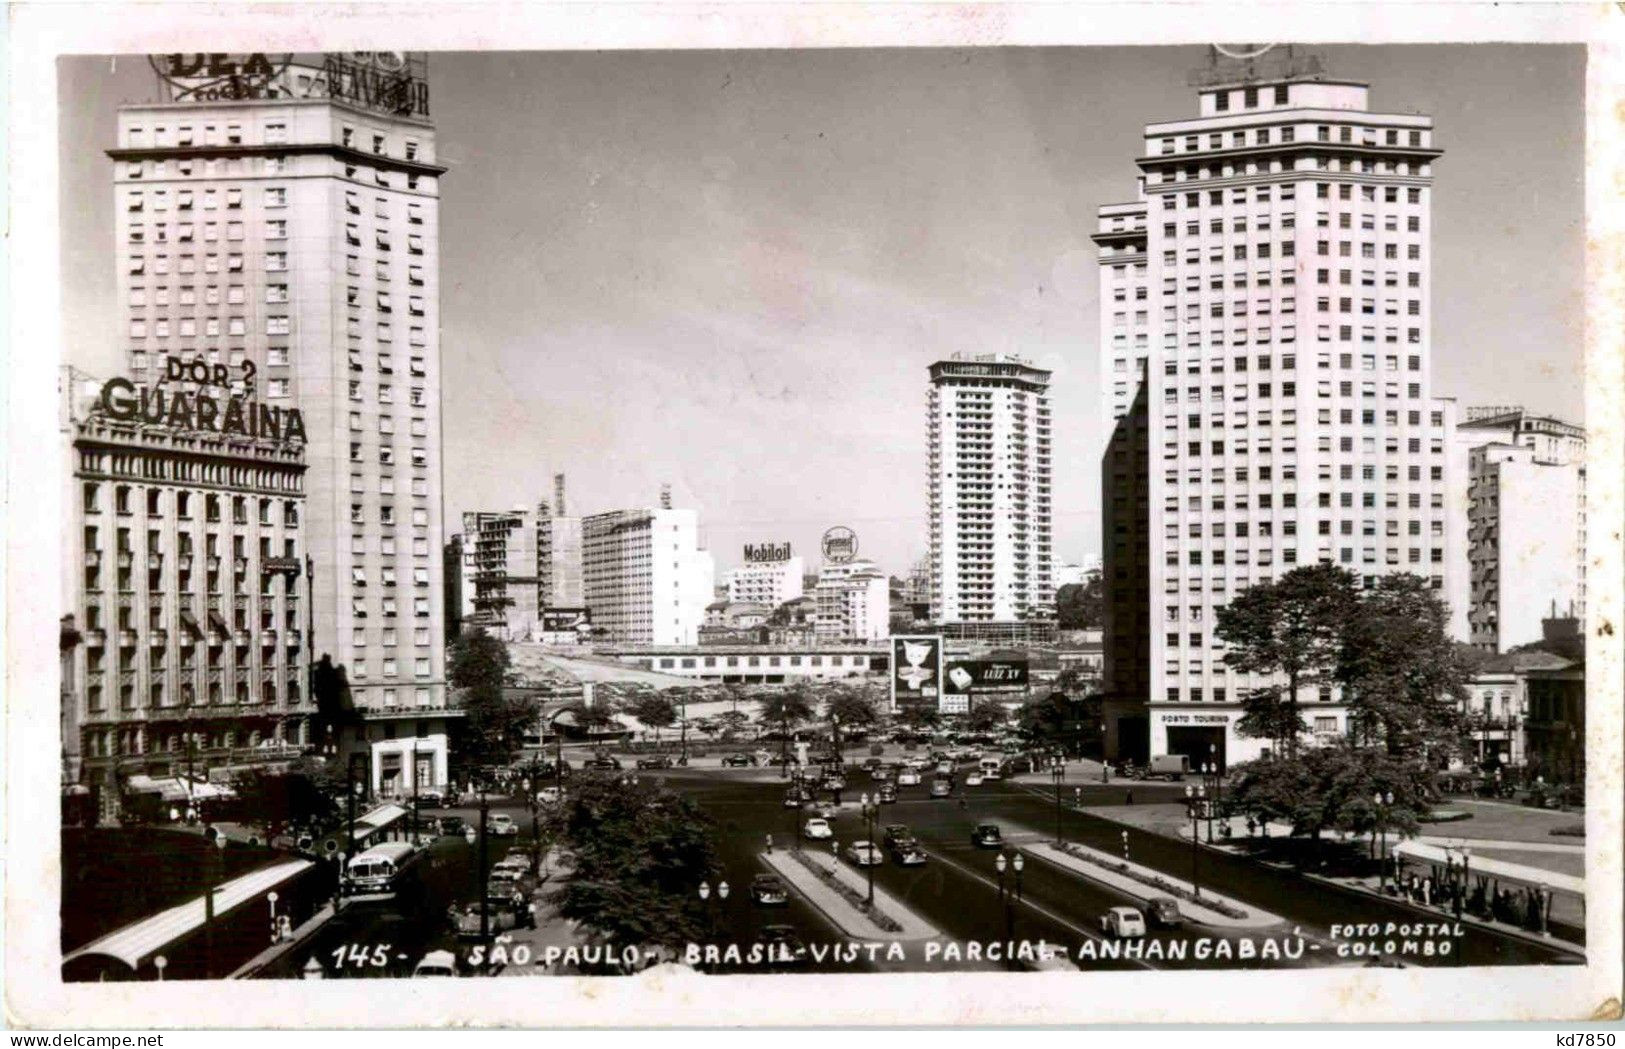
[846, 916]
[306, 930]
[1102, 867]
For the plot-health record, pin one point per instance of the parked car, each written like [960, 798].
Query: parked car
[504, 914]
[1163, 913]
[864, 854]
[873, 763]
[604, 764]
[986, 836]
[880, 774]
[768, 890]
[793, 799]
[817, 829]
[737, 761]
[550, 795]
[989, 775]
[887, 794]
[784, 944]
[436, 963]
[1123, 923]
[825, 810]
[451, 825]
[941, 788]
[513, 861]
[833, 783]
[502, 826]
[430, 798]
[908, 778]
[655, 761]
[974, 779]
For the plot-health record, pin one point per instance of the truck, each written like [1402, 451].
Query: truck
[1170, 766]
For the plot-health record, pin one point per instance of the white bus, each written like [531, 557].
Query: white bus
[379, 874]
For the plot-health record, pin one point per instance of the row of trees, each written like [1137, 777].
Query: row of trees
[1386, 648]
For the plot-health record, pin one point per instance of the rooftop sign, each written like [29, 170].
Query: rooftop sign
[393, 82]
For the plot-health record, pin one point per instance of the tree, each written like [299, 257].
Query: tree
[1081, 606]
[1403, 678]
[595, 718]
[1290, 628]
[919, 717]
[985, 717]
[709, 727]
[639, 856]
[492, 728]
[1332, 788]
[853, 708]
[901, 623]
[335, 709]
[731, 724]
[477, 660]
[785, 709]
[277, 801]
[1046, 720]
[654, 710]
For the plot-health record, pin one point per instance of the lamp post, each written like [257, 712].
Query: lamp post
[1382, 799]
[1057, 774]
[835, 740]
[271, 898]
[795, 812]
[713, 903]
[160, 963]
[1125, 846]
[834, 856]
[469, 834]
[1195, 802]
[869, 810]
[1008, 894]
[213, 872]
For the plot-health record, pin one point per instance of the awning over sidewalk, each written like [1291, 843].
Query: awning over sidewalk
[377, 820]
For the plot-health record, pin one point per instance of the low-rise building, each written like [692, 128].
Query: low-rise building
[753, 664]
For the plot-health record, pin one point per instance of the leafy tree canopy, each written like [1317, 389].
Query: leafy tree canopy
[640, 854]
[1081, 606]
[1332, 788]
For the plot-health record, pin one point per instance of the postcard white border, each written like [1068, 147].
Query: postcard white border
[36, 997]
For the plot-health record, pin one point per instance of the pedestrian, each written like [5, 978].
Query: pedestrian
[1131, 796]
[1105, 773]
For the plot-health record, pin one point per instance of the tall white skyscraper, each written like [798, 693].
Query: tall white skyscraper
[1265, 343]
[278, 229]
[647, 582]
[989, 485]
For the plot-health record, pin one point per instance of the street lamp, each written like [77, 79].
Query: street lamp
[713, 902]
[870, 810]
[1382, 799]
[834, 856]
[213, 862]
[470, 835]
[271, 898]
[1125, 846]
[1008, 895]
[1195, 802]
[1057, 773]
[835, 739]
[160, 963]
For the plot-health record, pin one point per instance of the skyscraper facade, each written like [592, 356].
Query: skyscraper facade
[988, 421]
[1265, 356]
[646, 580]
[277, 230]
[1526, 507]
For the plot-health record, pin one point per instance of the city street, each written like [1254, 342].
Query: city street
[956, 891]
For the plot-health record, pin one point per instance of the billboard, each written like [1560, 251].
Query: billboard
[965, 676]
[565, 620]
[767, 553]
[916, 671]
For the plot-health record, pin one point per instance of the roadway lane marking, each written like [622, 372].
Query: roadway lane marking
[1051, 915]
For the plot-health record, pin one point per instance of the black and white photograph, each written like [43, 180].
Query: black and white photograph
[750, 515]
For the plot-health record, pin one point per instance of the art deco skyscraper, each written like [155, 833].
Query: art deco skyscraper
[1265, 357]
[277, 229]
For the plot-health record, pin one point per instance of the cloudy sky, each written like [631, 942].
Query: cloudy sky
[729, 270]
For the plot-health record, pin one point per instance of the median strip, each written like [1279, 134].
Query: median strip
[843, 902]
[1143, 883]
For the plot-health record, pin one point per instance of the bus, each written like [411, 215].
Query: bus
[381, 873]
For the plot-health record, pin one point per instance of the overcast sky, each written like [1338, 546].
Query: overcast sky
[729, 270]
